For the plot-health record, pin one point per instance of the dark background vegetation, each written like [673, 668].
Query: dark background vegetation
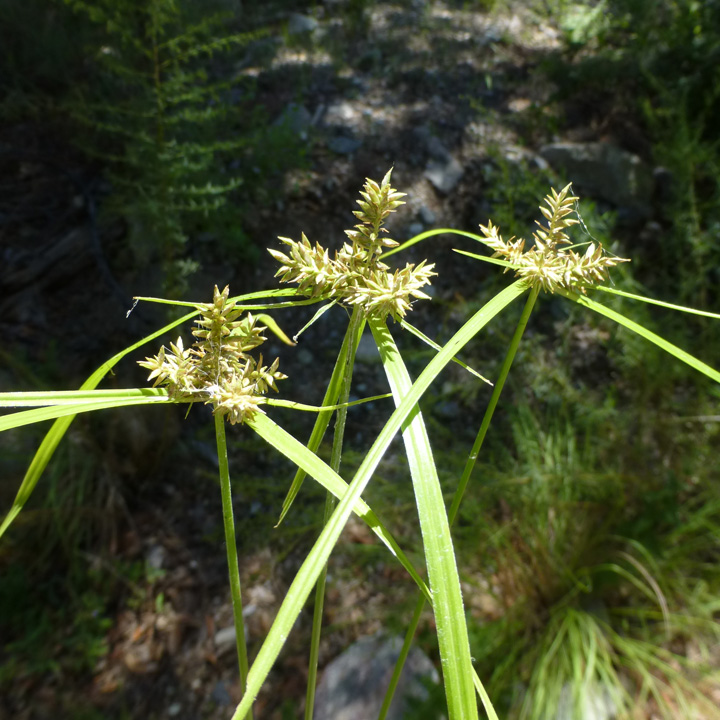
[157, 148]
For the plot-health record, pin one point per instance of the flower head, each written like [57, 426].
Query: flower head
[355, 275]
[546, 264]
[218, 368]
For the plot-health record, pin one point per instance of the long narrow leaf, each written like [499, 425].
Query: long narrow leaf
[277, 292]
[432, 233]
[292, 405]
[651, 301]
[484, 258]
[422, 336]
[674, 350]
[74, 397]
[294, 450]
[56, 433]
[442, 569]
[308, 573]
[36, 415]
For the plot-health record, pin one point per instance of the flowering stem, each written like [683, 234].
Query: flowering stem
[229, 522]
[354, 328]
[497, 389]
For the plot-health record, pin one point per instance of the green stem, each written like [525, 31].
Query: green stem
[402, 657]
[317, 623]
[354, 328]
[232, 558]
[490, 411]
[457, 499]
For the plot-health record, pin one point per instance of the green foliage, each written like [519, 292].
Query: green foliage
[176, 127]
[583, 607]
[656, 61]
[510, 185]
[74, 627]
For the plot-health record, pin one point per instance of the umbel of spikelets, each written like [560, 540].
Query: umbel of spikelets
[355, 275]
[218, 368]
[547, 263]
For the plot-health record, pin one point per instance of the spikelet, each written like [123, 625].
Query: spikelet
[355, 275]
[546, 263]
[218, 369]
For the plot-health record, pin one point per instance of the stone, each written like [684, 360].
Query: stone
[444, 175]
[604, 171]
[299, 24]
[436, 149]
[353, 685]
[296, 118]
[597, 704]
[155, 557]
[344, 145]
[427, 215]
[220, 695]
[341, 113]
[367, 352]
[225, 640]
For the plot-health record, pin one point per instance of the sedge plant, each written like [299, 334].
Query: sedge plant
[220, 369]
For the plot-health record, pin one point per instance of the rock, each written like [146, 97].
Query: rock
[604, 171]
[427, 215]
[596, 704]
[415, 229]
[220, 695]
[341, 113]
[444, 175]
[353, 685]
[301, 24]
[436, 149]
[225, 640]
[155, 557]
[296, 118]
[367, 351]
[344, 145]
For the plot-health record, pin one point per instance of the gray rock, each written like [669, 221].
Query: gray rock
[604, 171]
[367, 351]
[596, 704]
[344, 145]
[301, 24]
[444, 175]
[225, 640]
[415, 229]
[220, 695]
[296, 118]
[341, 113]
[427, 215]
[155, 557]
[353, 685]
[436, 149]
